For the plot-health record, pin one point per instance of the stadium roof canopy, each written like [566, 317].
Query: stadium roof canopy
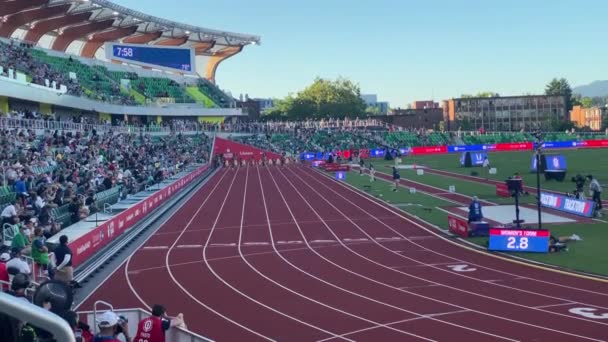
[95, 22]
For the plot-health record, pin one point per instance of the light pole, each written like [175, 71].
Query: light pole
[538, 151]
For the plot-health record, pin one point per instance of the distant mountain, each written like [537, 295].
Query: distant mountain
[593, 89]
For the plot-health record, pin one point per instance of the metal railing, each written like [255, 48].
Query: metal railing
[37, 316]
[52, 125]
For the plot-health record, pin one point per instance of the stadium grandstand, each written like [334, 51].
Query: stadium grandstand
[102, 108]
[102, 58]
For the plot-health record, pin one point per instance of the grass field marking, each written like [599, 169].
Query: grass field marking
[477, 249]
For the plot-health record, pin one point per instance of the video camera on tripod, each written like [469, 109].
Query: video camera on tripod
[579, 183]
[515, 187]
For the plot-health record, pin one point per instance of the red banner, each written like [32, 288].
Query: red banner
[429, 150]
[502, 190]
[525, 146]
[335, 167]
[223, 146]
[87, 245]
[458, 226]
[595, 143]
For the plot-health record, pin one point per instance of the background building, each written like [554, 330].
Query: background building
[425, 105]
[588, 117]
[510, 113]
[371, 100]
[265, 104]
[416, 118]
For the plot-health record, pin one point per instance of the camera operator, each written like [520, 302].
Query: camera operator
[596, 190]
[110, 326]
[579, 182]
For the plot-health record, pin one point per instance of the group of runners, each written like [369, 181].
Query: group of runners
[235, 162]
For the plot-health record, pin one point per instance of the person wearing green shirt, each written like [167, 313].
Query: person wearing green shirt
[20, 239]
[40, 252]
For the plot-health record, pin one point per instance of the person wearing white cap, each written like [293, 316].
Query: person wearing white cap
[110, 326]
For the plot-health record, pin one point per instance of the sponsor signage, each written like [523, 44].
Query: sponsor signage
[335, 167]
[243, 151]
[476, 158]
[559, 144]
[458, 226]
[553, 162]
[567, 204]
[429, 150]
[377, 153]
[502, 190]
[465, 148]
[89, 244]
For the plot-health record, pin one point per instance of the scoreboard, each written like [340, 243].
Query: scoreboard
[165, 58]
[519, 240]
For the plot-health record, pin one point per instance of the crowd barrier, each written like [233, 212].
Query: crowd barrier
[430, 150]
[86, 246]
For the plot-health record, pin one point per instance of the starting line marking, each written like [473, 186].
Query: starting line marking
[156, 247]
[289, 242]
[355, 240]
[223, 244]
[322, 241]
[388, 239]
[189, 246]
[255, 243]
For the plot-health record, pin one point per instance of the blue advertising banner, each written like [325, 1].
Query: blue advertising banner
[465, 148]
[378, 153]
[476, 158]
[307, 156]
[567, 204]
[553, 162]
[559, 144]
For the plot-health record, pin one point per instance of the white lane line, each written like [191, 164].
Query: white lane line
[400, 214]
[316, 213]
[312, 249]
[425, 265]
[554, 305]
[155, 247]
[226, 283]
[167, 265]
[306, 184]
[289, 263]
[398, 322]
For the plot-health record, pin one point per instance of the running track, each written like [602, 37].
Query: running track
[288, 254]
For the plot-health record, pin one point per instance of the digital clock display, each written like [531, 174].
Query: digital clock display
[519, 240]
[175, 59]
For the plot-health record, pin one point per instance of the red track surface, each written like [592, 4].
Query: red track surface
[289, 254]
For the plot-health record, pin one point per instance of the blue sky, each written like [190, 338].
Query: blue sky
[404, 50]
